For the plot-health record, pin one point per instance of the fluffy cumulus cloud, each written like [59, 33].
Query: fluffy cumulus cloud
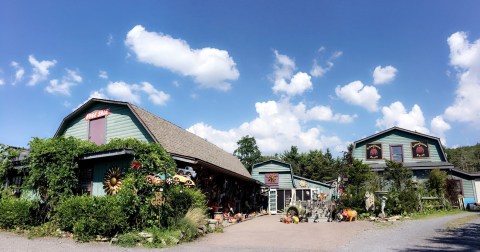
[19, 72]
[64, 85]
[287, 82]
[209, 67]
[277, 126]
[357, 93]
[319, 71]
[465, 58]
[439, 127]
[397, 115]
[383, 75]
[131, 93]
[40, 69]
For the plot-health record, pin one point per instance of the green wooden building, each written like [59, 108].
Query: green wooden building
[419, 152]
[283, 185]
[219, 174]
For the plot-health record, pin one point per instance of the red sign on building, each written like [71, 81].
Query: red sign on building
[97, 114]
[271, 179]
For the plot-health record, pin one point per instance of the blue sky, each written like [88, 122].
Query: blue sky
[314, 74]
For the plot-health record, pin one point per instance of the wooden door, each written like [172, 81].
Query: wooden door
[96, 130]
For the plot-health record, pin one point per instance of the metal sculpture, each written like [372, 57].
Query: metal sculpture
[113, 181]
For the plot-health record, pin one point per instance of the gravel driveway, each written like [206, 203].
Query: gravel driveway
[266, 233]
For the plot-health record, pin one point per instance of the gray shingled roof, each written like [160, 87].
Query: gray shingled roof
[181, 142]
[175, 140]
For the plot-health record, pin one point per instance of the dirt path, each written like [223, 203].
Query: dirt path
[266, 233]
[437, 234]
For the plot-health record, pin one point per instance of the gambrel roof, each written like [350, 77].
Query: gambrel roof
[390, 130]
[177, 141]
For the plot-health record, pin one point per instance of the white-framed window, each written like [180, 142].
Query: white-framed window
[396, 153]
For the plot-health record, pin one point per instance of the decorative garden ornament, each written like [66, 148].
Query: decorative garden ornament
[136, 165]
[113, 181]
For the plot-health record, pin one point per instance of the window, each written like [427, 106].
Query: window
[396, 153]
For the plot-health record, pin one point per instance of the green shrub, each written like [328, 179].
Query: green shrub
[89, 216]
[16, 212]
[128, 240]
[180, 199]
[46, 229]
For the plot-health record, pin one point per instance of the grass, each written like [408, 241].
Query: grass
[435, 214]
[461, 221]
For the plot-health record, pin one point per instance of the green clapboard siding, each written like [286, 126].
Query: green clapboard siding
[311, 185]
[284, 177]
[468, 188]
[405, 139]
[121, 123]
[100, 169]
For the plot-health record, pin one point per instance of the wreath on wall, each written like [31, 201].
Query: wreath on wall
[113, 181]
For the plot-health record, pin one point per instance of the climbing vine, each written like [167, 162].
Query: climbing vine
[7, 155]
[53, 163]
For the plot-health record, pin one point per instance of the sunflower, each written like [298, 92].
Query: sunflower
[113, 181]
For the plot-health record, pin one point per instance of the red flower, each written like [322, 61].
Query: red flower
[136, 165]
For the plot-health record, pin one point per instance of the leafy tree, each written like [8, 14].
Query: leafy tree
[293, 157]
[248, 152]
[359, 179]
[402, 195]
[466, 158]
[397, 175]
[437, 182]
[348, 156]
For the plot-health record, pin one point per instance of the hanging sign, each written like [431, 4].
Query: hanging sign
[420, 150]
[97, 113]
[158, 200]
[271, 179]
[374, 151]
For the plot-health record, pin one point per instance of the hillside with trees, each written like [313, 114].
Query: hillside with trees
[466, 158]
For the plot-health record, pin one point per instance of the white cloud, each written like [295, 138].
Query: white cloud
[103, 74]
[63, 86]
[358, 94]
[123, 91]
[2, 82]
[210, 67]
[19, 72]
[321, 113]
[40, 69]
[383, 75]
[439, 127]
[319, 71]
[465, 57]
[97, 94]
[277, 126]
[397, 115]
[100, 94]
[285, 81]
[132, 93]
[154, 95]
